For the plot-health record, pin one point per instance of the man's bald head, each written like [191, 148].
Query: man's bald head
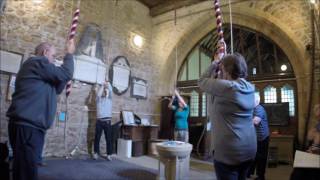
[46, 49]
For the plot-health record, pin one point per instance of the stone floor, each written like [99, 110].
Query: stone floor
[205, 169]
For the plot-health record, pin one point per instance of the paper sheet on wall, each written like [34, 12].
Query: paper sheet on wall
[120, 77]
[306, 160]
[139, 89]
[10, 62]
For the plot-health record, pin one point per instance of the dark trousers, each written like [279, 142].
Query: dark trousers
[40, 150]
[232, 172]
[260, 161]
[25, 142]
[106, 127]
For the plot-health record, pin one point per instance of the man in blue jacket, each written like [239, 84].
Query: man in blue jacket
[34, 104]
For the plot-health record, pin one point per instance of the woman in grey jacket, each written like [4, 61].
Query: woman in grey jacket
[231, 110]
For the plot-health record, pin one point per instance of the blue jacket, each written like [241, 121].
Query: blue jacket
[38, 82]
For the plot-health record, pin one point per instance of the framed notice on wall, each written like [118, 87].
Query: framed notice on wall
[10, 61]
[120, 74]
[127, 117]
[138, 88]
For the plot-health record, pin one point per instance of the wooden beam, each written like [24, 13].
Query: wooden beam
[171, 5]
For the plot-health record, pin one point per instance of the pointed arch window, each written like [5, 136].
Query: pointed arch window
[287, 95]
[270, 94]
[267, 65]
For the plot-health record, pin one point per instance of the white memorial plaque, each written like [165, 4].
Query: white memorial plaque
[119, 74]
[10, 62]
[120, 77]
[89, 69]
[139, 88]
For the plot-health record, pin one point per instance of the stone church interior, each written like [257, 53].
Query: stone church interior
[159, 89]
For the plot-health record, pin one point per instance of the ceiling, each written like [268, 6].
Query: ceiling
[158, 7]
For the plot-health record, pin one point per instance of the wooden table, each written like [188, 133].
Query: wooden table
[140, 136]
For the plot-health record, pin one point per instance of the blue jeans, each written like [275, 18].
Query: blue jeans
[232, 172]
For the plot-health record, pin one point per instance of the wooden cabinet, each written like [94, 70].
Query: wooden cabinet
[139, 133]
[140, 136]
[284, 146]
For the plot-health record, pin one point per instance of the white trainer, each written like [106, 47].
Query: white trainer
[109, 158]
[95, 156]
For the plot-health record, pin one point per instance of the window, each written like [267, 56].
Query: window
[205, 62]
[193, 62]
[194, 104]
[183, 74]
[264, 58]
[270, 94]
[257, 92]
[287, 95]
[204, 105]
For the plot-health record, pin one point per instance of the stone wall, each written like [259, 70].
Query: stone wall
[23, 26]
[26, 24]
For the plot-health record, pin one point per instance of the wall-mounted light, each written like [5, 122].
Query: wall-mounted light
[37, 1]
[137, 40]
[312, 1]
[283, 67]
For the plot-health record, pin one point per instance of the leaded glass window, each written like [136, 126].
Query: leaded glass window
[287, 95]
[270, 94]
[194, 104]
[204, 105]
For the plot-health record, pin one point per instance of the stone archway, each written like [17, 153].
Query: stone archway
[269, 26]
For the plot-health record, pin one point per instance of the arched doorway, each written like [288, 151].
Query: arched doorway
[268, 67]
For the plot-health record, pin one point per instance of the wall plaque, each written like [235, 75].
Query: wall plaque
[10, 61]
[139, 88]
[119, 74]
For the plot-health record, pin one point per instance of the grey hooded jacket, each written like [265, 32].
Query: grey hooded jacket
[231, 113]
